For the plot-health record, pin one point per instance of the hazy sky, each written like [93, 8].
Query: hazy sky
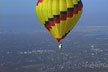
[19, 15]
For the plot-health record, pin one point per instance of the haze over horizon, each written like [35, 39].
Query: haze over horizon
[19, 16]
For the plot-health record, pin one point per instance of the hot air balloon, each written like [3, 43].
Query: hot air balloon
[59, 16]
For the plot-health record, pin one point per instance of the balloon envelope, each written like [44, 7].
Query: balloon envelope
[59, 16]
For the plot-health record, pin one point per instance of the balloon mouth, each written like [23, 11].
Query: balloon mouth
[58, 39]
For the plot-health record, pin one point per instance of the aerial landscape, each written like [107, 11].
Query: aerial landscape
[84, 51]
[26, 46]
